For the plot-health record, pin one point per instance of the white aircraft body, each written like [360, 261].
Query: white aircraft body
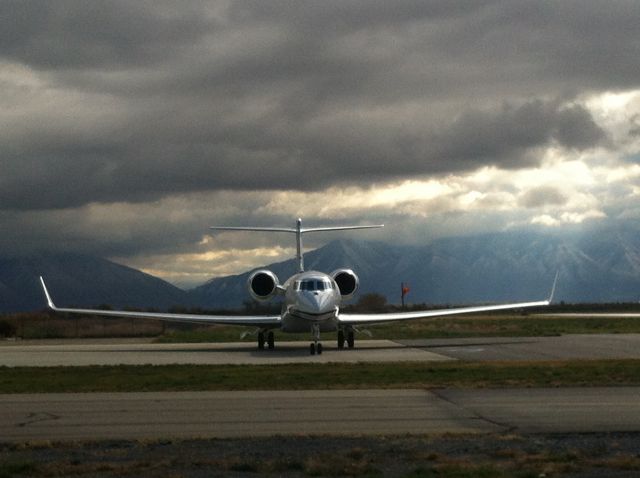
[311, 303]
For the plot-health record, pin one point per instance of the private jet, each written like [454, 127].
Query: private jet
[311, 301]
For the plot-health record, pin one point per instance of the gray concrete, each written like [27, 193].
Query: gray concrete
[76, 352]
[83, 352]
[564, 347]
[235, 414]
[592, 409]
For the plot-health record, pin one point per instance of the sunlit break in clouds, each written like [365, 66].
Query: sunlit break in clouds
[129, 128]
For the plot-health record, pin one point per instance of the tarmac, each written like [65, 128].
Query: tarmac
[131, 352]
[162, 415]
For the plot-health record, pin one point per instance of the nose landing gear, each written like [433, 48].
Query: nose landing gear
[315, 347]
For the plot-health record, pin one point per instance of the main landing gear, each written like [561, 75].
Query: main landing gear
[270, 340]
[344, 335]
[349, 338]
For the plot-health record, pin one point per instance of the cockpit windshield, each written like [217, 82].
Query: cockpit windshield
[314, 284]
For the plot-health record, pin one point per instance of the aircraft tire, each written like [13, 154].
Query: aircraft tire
[350, 339]
[340, 339]
[260, 340]
[312, 349]
[319, 349]
[271, 341]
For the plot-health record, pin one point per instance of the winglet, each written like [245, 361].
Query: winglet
[553, 288]
[46, 293]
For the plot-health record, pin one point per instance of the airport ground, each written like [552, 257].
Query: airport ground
[475, 429]
[569, 432]
[475, 349]
[592, 455]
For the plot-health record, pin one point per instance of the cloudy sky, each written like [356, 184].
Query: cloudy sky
[127, 128]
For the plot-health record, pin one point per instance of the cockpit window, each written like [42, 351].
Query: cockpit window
[314, 284]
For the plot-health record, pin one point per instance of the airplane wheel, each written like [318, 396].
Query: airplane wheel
[350, 339]
[312, 349]
[260, 340]
[271, 341]
[340, 339]
[319, 349]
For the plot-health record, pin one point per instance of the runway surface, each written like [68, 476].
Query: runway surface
[78, 352]
[233, 414]
[73, 353]
[337, 412]
[562, 347]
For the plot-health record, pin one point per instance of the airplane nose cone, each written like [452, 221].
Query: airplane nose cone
[318, 303]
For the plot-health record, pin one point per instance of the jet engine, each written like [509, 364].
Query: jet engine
[347, 281]
[263, 285]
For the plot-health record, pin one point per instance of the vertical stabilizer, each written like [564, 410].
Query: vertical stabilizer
[299, 245]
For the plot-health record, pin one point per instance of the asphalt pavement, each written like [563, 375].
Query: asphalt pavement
[86, 352]
[158, 415]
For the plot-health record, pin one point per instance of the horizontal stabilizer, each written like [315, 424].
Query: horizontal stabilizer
[303, 230]
[298, 231]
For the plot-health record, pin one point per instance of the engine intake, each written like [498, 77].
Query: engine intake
[347, 281]
[263, 285]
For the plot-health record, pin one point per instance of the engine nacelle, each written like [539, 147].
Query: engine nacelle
[263, 285]
[347, 281]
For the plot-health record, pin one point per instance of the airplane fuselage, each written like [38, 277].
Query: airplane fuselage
[310, 298]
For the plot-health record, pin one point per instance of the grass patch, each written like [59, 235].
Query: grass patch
[470, 471]
[496, 325]
[508, 326]
[442, 456]
[18, 468]
[140, 378]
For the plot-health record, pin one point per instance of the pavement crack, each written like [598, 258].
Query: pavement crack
[39, 417]
[506, 427]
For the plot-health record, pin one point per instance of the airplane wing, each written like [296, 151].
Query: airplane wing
[251, 320]
[585, 315]
[364, 319]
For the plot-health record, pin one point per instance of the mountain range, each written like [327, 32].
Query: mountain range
[484, 268]
[597, 267]
[81, 280]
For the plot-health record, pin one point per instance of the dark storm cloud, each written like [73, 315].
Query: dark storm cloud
[140, 100]
[72, 173]
[78, 34]
[504, 137]
[127, 128]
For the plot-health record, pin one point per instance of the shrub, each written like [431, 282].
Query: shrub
[7, 329]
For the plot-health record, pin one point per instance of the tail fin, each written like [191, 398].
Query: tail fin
[298, 231]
